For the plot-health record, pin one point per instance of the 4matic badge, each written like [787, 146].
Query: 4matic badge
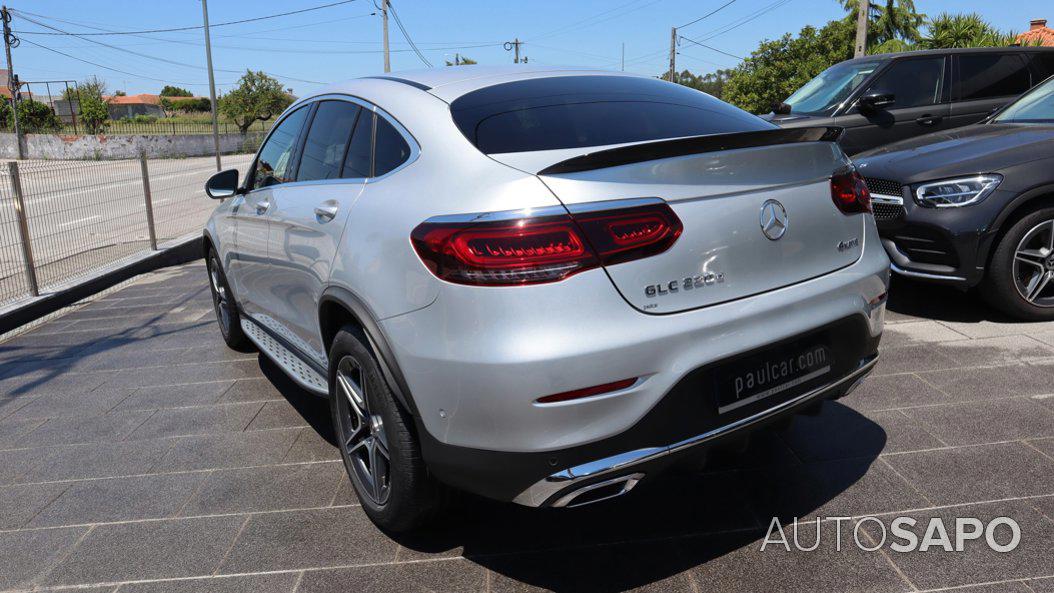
[688, 283]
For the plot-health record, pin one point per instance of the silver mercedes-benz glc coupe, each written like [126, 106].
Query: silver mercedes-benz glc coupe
[543, 285]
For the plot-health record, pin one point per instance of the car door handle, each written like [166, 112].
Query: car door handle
[325, 213]
[262, 207]
[928, 120]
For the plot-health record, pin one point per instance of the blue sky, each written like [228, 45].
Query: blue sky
[344, 41]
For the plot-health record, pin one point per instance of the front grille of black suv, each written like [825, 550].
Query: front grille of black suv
[884, 211]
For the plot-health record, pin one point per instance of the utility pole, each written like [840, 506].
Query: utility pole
[212, 86]
[384, 20]
[515, 45]
[12, 79]
[673, 54]
[863, 6]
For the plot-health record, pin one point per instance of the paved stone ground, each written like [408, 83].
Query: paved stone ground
[138, 454]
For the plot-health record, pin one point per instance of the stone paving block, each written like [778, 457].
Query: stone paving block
[977, 563]
[977, 473]
[82, 403]
[987, 421]
[52, 381]
[120, 499]
[260, 447]
[267, 488]
[995, 351]
[197, 420]
[893, 391]
[840, 432]
[985, 383]
[12, 430]
[259, 583]
[251, 390]
[28, 555]
[184, 374]
[76, 430]
[175, 396]
[98, 460]
[910, 359]
[455, 576]
[20, 503]
[915, 333]
[312, 446]
[147, 550]
[281, 415]
[306, 539]
[15, 463]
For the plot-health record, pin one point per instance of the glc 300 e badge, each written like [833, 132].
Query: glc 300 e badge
[773, 220]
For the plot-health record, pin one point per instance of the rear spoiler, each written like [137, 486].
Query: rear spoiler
[661, 149]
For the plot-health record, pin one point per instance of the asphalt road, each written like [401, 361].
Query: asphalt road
[84, 215]
[138, 454]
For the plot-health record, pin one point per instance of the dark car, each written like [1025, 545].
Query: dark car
[885, 98]
[975, 206]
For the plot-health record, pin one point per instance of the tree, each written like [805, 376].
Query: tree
[120, 94]
[712, 83]
[778, 68]
[963, 30]
[895, 20]
[257, 97]
[175, 91]
[92, 86]
[33, 116]
[94, 114]
[460, 60]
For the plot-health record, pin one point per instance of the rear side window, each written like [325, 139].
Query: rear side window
[984, 76]
[275, 162]
[391, 149]
[576, 111]
[358, 162]
[327, 140]
[1043, 64]
[913, 83]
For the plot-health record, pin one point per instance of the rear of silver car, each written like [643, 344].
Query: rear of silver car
[682, 289]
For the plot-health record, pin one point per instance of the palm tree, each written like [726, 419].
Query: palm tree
[896, 19]
[963, 30]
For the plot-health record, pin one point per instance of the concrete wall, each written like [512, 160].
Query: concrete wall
[62, 147]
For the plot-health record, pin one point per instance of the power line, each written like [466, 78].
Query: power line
[709, 14]
[148, 56]
[744, 20]
[583, 23]
[132, 74]
[196, 27]
[399, 23]
[720, 51]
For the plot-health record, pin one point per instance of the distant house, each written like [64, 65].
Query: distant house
[132, 105]
[1038, 32]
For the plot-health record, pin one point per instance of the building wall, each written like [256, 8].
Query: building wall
[62, 147]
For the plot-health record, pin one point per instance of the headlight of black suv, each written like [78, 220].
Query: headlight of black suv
[953, 193]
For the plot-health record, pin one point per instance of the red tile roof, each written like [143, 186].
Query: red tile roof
[1039, 33]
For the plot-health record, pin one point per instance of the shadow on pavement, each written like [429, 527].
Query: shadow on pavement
[940, 303]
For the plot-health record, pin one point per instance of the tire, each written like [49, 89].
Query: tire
[226, 309]
[1020, 277]
[375, 436]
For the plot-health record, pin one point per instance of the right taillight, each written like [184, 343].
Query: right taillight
[849, 192]
[531, 250]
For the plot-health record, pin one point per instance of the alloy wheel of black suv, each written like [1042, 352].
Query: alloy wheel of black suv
[1020, 278]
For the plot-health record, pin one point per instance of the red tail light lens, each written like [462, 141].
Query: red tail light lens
[850, 193]
[586, 392]
[543, 249]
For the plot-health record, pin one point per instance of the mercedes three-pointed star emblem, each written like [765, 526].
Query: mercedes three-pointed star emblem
[773, 220]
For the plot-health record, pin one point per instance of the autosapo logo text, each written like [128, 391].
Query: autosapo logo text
[901, 534]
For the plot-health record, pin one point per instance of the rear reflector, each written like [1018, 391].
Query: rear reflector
[532, 250]
[850, 193]
[586, 392]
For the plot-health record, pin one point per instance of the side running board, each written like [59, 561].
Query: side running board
[290, 363]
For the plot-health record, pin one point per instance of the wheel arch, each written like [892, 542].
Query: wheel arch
[1024, 204]
[339, 307]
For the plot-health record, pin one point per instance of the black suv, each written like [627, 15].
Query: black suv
[889, 97]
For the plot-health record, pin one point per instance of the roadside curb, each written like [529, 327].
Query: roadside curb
[177, 252]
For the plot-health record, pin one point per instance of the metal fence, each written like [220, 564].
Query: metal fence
[62, 220]
[131, 127]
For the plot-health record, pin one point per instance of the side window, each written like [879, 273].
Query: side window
[1043, 64]
[391, 148]
[983, 76]
[913, 83]
[326, 140]
[358, 162]
[276, 156]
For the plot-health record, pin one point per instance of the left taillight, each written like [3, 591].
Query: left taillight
[531, 250]
[849, 192]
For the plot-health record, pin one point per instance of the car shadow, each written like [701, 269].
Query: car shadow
[913, 298]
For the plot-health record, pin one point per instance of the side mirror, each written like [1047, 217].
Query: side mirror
[876, 101]
[222, 185]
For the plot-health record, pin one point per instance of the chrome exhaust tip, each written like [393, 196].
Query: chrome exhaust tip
[598, 491]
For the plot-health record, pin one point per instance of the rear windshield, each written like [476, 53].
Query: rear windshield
[577, 111]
